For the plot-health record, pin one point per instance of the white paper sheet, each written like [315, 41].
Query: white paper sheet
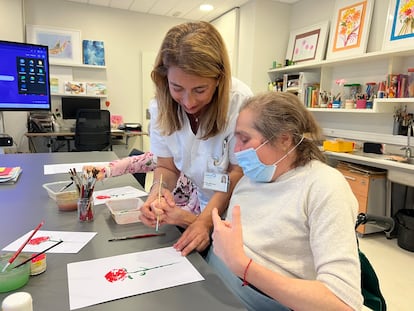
[101, 196]
[50, 169]
[127, 275]
[73, 242]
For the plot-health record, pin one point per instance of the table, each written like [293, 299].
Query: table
[26, 203]
[118, 137]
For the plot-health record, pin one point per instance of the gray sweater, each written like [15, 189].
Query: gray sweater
[302, 226]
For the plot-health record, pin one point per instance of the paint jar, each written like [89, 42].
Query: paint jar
[410, 82]
[38, 265]
[349, 104]
[85, 209]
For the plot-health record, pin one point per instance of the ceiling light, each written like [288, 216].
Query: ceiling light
[206, 7]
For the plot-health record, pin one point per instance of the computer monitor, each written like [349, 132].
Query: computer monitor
[24, 77]
[71, 105]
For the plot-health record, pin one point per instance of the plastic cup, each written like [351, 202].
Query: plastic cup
[85, 209]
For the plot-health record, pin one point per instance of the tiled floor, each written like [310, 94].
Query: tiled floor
[395, 269]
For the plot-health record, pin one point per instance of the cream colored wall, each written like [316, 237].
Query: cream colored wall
[264, 33]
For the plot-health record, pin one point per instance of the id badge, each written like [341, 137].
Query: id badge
[216, 181]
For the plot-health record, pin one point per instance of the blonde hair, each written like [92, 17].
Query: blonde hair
[198, 49]
[278, 113]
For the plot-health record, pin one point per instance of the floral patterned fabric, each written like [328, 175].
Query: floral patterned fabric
[185, 192]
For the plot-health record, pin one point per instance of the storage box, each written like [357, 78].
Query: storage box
[54, 188]
[125, 211]
[338, 145]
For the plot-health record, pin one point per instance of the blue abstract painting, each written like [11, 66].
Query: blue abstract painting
[93, 52]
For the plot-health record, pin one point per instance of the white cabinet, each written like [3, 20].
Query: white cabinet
[77, 73]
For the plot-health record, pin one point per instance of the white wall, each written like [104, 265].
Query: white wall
[264, 34]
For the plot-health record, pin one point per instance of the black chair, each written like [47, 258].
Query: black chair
[371, 290]
[93, 130]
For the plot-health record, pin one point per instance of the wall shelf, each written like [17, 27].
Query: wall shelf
[77, 66]
[77, 95]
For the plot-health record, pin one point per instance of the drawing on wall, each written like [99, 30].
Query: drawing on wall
[308, 43]
[93, 52]
[64, 44]
[351, 28]
[305, 46]
[399, 31]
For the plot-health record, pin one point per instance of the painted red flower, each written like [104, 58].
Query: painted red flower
[116, 275]
[39, 240]
[122, 273]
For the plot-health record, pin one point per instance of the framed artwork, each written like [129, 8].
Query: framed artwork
[308, 43]
[399, 31]
[350, 28]
[64, 44]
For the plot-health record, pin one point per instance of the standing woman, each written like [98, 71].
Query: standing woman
[288, 242]
[193, 118]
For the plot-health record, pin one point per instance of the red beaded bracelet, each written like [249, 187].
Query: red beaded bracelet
[245, 273]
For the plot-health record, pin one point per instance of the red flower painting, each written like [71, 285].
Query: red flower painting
[120, 274]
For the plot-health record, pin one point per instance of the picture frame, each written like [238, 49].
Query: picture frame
[399, 29]
[64, 44]
[308, 43]
[350, 28]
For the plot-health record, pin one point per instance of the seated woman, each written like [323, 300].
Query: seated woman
[185, 193]
[289, 230]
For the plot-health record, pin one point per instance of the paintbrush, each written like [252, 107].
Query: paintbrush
[13, 258]
[38, 254]
[159, 201]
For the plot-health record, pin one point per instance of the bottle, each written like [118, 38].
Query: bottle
[20, 301]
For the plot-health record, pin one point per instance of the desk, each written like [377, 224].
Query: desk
[26, 203]
[402, 173]
[117, 137]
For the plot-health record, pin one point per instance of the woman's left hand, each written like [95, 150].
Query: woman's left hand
[228, 241]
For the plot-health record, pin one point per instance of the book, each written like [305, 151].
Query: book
[9, 175]
[93, 52]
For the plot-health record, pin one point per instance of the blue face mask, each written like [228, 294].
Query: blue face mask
[254, 168]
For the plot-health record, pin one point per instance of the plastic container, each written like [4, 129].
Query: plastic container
[351, 91]
[13, 279]
[125, 211]
[67, 201]
[54, 188]
[410, 82]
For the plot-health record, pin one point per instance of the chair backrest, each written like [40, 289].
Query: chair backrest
[93, 130]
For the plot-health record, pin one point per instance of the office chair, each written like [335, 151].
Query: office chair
[371, 291]
[93, 130]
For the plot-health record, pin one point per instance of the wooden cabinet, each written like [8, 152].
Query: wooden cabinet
[369, 187]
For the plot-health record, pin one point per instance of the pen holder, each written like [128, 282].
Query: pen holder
[85, 209]
[361, 103]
